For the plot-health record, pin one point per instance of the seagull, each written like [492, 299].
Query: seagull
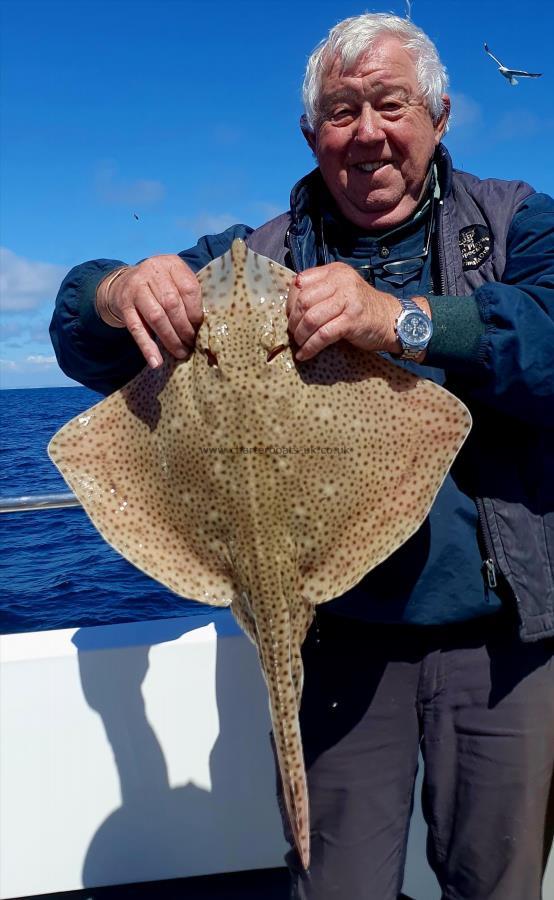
[511, 73]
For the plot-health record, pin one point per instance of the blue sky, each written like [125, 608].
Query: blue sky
[185, 112]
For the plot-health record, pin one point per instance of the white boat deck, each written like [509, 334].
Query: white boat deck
[136, 764]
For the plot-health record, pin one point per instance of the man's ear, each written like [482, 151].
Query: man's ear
[308, 132]
[441, 124]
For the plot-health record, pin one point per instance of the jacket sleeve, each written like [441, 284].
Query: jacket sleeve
[91, 352]
[499, 341]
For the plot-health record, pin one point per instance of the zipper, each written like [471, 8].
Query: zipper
[292, 251]
[440, 249]
[488, 567]
[490, 572]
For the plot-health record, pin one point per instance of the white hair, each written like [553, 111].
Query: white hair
[354, 38]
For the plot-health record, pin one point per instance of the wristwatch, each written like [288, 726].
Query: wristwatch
[414, 329]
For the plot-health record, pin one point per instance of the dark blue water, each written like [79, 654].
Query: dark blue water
[55, 569]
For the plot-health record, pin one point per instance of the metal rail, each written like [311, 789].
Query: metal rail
[38, 501]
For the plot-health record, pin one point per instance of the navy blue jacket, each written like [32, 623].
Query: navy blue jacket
[493, 335]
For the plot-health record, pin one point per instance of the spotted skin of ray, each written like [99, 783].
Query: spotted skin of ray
[239, 477]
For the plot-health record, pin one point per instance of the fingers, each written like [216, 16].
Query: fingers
[329, 332]
[318, 327]
[164, 309]
[315, 311]
[159, 298]
[305, 293]
[147, 346]
[145, 317]
[332, 303]
[188, 288]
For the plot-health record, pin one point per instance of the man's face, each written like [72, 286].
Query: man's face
[375, 137]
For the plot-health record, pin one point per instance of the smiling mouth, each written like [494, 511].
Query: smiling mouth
[371, 166]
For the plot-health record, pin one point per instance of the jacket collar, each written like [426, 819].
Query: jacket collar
[306, 199]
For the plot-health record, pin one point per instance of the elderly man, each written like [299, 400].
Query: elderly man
[447, 645]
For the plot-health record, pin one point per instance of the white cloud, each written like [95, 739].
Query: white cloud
[26, 373]
[517, 122]
[114, 189]
[41, 360]
[465, 111]
[26, 283]
[9, 328]
[208, 223]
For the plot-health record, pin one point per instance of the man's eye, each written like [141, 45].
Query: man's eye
[341, 113]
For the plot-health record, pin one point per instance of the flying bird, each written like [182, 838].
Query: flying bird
[511, 73]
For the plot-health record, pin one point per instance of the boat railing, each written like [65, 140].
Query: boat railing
[30, 502]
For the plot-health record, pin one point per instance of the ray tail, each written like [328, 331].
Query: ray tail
[278, 629]
[284, 709]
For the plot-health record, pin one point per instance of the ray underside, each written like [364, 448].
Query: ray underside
[240, 477]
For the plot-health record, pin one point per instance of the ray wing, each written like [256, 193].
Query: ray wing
[239, 477]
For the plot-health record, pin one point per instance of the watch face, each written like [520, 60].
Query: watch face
[414, 329]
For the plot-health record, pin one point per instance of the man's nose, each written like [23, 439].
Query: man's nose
[369, 125]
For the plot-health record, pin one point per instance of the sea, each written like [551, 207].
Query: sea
[55, 569]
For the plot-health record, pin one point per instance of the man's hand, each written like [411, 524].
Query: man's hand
[158, 297]
[332, 303]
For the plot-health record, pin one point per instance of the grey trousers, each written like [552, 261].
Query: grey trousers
[480, 704]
